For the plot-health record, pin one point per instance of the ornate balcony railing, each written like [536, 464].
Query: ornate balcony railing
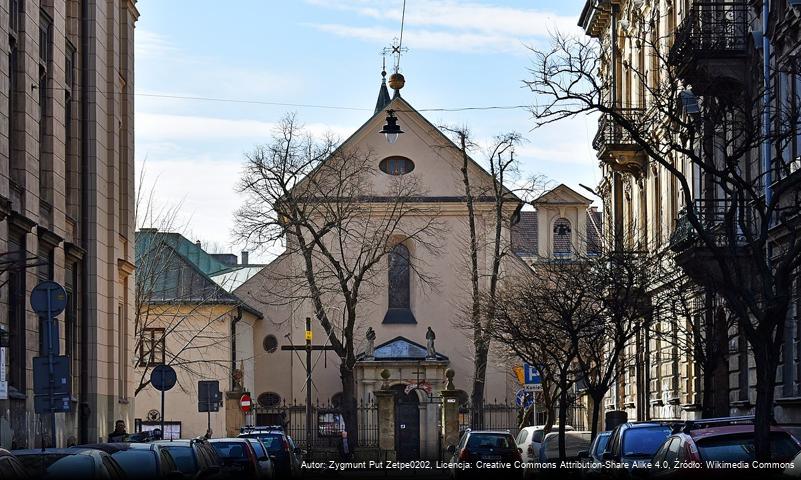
[711, 29]
[727, 223]
[612, 136]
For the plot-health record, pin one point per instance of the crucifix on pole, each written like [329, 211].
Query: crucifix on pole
[308, 347]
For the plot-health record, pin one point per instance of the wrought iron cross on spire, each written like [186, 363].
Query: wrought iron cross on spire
[395, 50]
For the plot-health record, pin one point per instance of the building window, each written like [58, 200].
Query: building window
[399, 266]
[16, 312]
[562, 242]
[270, 343]
[396, 165]
[269, 400]
[151, 350]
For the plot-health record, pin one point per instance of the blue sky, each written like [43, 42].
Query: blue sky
[327, 52]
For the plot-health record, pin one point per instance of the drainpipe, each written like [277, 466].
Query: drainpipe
[84, 405]
[766, 99]
[233, 343]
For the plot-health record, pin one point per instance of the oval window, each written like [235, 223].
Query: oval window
[270, 343]
[396, 165]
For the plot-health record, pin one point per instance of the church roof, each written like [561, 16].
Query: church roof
[401, 348]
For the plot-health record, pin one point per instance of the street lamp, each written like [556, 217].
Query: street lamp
[391, 129]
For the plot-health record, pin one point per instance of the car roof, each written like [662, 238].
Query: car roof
[494, 432]
[178, 443]
[64, 451]
[647, 424]
[711, 432]
[228, 439]
[117, 447]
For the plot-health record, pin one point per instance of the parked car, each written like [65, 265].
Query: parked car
[632, 445]
[69, 464]
[266, 468]
[237, 457]
[286, 457]
[194, 458]
[10, 467]
[594, 463]
[487, 447]
[720, 443]
[575, 444]
[140, 460]
[530, 438]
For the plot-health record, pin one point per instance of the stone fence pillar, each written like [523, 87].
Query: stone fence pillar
[386, 418]
[450, 413]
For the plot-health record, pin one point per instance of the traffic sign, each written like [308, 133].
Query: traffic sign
[60, 391]
[245, 402]
[48, 297]
[524, 398]
[208, 396]
[530, 375]
[163, 377]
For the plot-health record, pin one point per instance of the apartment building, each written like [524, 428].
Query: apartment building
[704, 53]
[67, 208]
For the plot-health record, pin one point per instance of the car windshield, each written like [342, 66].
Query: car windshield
[490, 440]
[137, 463]
[272, 441]
[740, 448]
[184, 458]
[58, 465]
[600, 445]
[645, 441]
[230, 450]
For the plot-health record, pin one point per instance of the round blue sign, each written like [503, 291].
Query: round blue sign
[48, 298]
[163, 377]
[524, 398]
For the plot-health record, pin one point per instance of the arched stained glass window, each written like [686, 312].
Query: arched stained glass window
[399, 295]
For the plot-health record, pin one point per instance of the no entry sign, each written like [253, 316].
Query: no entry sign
[245, 402]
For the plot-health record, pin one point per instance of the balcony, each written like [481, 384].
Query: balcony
[615, 145]
[710, 47]
[726, 225]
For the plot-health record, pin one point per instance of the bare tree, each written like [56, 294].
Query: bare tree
[544, 319]
[320, 202]
[503, 169]
[735, 236]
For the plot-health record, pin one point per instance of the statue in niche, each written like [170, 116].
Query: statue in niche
[430, 337]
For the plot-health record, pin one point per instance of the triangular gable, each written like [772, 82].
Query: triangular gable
[429, 141]
[562, 195]
[399, 349]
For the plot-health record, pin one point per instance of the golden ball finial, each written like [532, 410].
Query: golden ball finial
[396, 81]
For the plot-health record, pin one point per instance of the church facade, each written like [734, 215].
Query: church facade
[411, 329]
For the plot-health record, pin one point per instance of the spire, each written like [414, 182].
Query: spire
[383, 94]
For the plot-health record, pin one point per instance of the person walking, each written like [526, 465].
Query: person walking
[345, 448]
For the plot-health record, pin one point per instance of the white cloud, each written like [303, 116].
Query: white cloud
[163, 129]
[451, 26]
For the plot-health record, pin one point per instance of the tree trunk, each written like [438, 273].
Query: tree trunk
[766, 363]
[477, 397]
[349, 407]
[562, 421]
[597, 398]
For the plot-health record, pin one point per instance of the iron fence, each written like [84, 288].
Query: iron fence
[327, 423]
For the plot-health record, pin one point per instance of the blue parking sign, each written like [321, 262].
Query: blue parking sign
[531, 375]
[524, 398]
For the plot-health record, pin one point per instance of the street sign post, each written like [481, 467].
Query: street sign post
[209, 396]
[49, 299]
[163, 378]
